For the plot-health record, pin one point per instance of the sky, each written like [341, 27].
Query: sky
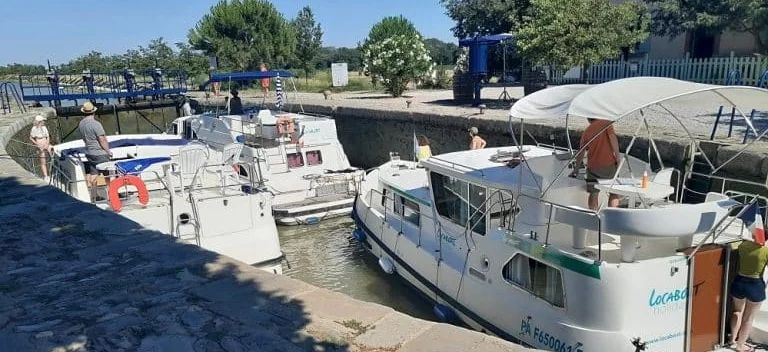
[34, 31]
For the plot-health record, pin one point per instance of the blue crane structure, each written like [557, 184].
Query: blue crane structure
[120, 85]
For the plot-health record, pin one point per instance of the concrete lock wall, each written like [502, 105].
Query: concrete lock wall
[368, 135]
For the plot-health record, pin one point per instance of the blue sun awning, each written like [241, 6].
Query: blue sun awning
[247, 76]
[488, 39]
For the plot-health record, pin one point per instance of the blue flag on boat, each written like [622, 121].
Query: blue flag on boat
[415, 147]
[753, 220]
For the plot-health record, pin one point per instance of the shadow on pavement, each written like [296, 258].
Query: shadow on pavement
[68, 283]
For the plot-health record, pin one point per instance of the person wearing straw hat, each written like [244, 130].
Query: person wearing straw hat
[96, 146]
[42, 139]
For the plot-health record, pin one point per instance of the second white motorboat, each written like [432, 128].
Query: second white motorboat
[299, 154]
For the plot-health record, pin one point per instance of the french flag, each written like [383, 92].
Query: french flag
[753, 220]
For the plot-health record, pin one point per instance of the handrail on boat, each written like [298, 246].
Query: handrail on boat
[455, 165]
[712, 234]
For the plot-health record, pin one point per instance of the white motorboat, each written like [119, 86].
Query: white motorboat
[185, 189]
[300, 157]
[503, 240]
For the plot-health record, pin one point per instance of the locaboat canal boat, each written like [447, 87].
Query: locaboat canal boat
[183, 188]
[502, 238]
[298, 154]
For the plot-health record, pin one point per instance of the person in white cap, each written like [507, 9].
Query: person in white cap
[42, 139]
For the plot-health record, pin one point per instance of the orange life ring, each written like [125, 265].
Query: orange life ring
[114, 185]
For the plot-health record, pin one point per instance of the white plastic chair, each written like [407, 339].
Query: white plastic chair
[664, 176]
[230, 156]
[192, 157]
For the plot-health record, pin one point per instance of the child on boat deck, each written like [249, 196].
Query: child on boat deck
[42, 139]
[602, 149]
[425, 151]
[748, 292]
[477, 142]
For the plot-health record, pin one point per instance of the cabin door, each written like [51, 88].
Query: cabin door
[707, 318]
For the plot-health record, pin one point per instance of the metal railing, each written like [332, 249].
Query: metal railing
[129, 84]
[10, 96]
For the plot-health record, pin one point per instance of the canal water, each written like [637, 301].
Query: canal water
[326, 255]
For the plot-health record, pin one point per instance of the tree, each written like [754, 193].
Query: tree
[397, 60]
[390, 27]
[674, 17]
[568, 33]
[192, 62]
[158, 53]
[443, 53]
[16, 69]
[386, 28]
[309, 38]
[482, 17]
[245, 33]
[328, 55]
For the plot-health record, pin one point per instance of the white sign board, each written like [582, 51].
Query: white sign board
[339, 74]
[213, 63]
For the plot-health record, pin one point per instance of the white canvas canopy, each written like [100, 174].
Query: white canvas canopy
[616, 99]
[550, 103]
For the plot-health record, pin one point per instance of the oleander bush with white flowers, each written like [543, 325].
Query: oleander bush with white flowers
[397, 60]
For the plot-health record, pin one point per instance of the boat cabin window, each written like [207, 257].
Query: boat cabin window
[384, 193]
[457, 200]
[314, 157]
[542, 280]
[501, 208]
[295, 160]
[407, 209]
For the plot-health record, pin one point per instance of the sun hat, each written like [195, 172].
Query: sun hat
[88, 108]
[39, 118]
